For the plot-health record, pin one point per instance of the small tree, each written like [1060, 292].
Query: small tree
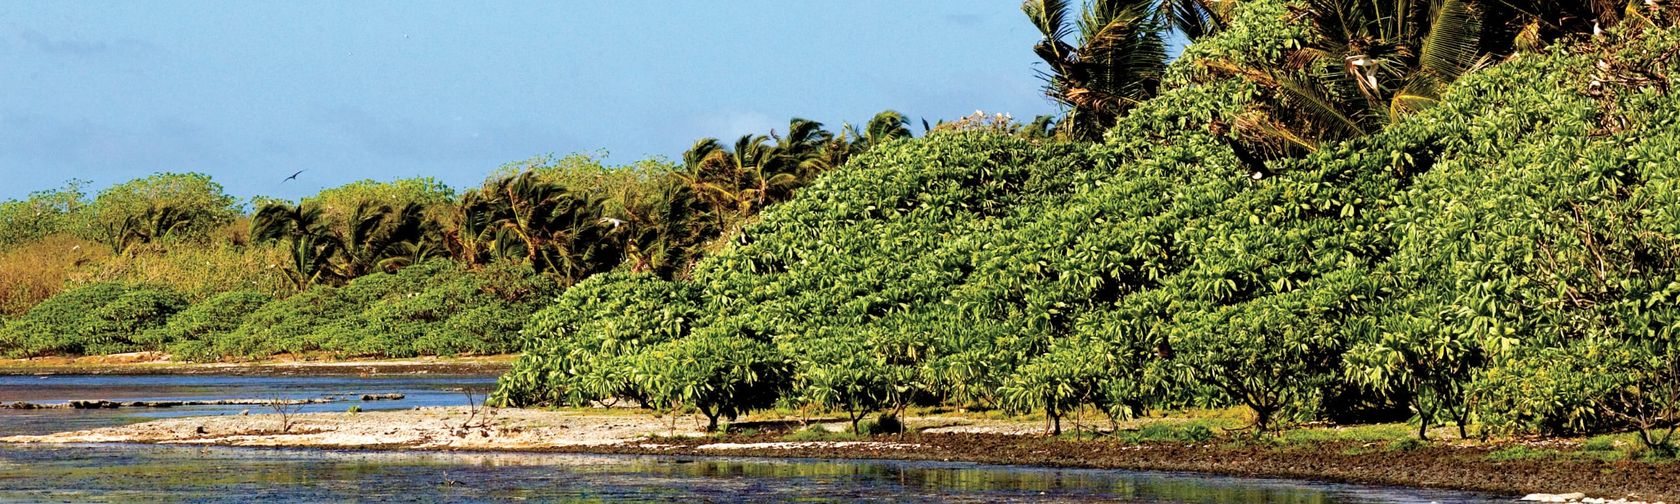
[1649, 397]
[1423, 361]
[720, 376]
[1267, 358]
[285, 409]
[1056, 383]
[847, 378]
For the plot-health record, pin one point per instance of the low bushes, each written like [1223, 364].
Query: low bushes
[99, 318]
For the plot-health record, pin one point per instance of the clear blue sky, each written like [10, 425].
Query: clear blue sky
[249, 92]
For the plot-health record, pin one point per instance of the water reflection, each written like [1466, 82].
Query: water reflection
[175, 474]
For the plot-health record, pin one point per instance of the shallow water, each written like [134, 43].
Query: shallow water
[126, 473]
[150, 473]
[420, 390]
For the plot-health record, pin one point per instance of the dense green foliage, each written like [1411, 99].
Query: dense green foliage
[1462, 212]
[1504, 257]
[377, 269]
[434, 308]
[95, 319]
[190, 333]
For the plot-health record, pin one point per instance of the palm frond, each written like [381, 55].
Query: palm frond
[1453, 43]
[1050, 17]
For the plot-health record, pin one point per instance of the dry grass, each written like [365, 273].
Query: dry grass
[35, 271]
[198, 270]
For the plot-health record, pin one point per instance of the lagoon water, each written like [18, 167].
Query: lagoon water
[148, 473]
[420, 390]
[179, 474]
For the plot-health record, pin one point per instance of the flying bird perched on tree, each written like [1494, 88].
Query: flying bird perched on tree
[294, 176]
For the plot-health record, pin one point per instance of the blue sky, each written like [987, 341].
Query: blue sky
[249, 92]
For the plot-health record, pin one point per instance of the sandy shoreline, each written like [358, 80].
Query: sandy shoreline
[449, 428]
[452, 428]
[936, 438]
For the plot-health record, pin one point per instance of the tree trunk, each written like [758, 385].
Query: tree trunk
[1423, 417]
[1263, 418]
[711, 419]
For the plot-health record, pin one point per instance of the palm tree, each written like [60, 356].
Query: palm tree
[1102, 63]
[1194, 18]
[1529, 24]
[383, 238]
[1041, 127]
[564, 234]
[1368, 63]
[737, 182]
[884, 127]
[158, 221]
[312, 243]
[470, 233]
[312, 260]
[376, 238]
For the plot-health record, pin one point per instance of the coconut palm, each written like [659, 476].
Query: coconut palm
[1194, 18]
[1102, 59]
[157, 221]
[736, 182]
[1367, 63]
[311, 244]
[383, 238]
[564, 234]
[1530, 24]
[885, 126]
[374, 238]
[663, 227]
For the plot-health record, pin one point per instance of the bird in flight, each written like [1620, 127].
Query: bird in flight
[293, 177]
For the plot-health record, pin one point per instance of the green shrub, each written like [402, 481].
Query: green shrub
[189, 335]
[55, 326]
[886, 424]
[1170, 432]
[1521, 452]
[120, 325]
[573, 348]
[719, 376]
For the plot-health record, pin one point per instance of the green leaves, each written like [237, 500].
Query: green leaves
[1472, 261]
[1114, 59]
[719, 375]
[93, 319]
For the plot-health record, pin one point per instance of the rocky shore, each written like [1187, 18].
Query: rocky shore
[107, 404]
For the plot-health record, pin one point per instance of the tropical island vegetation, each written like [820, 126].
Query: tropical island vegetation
[1457, 212]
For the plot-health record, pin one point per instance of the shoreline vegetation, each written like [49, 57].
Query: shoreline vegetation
[1450, 228]
[1371, 454]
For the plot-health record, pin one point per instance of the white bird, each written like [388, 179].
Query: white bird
[615, 223]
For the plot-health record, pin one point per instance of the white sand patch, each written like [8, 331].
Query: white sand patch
[803, 445]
